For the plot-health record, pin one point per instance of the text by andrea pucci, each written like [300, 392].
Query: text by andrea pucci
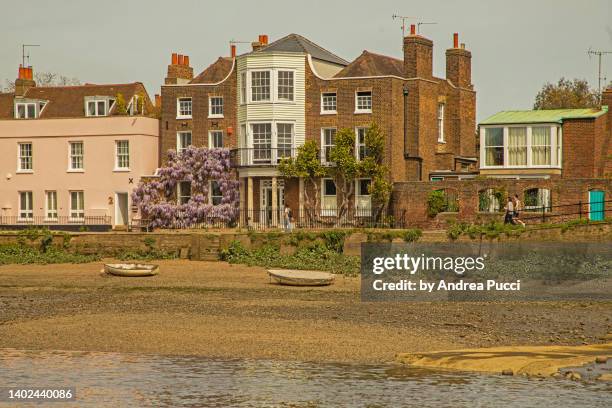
[413, 264]
[485, 271]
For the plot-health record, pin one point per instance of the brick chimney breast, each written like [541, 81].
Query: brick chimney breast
[459, 67]
[418, 57]
[24, 81]
[179, 71]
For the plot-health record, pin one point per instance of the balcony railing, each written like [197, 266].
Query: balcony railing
[260, 156]
[59, 222]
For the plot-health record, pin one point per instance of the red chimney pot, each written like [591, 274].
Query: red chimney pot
[265, 39]
[456, 40]
[174, 58]
[186, 60]
[233, 50]
[181, 59]
[412, 29]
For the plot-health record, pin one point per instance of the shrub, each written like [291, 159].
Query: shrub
[436, 203]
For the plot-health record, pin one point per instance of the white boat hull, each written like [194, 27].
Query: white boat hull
[301, 278]
[131, 269]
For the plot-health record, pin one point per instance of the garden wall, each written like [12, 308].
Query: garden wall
[411, 199]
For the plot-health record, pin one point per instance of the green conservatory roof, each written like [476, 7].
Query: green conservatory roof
[542, 116]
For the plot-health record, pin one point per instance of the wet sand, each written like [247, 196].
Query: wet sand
[230, 311]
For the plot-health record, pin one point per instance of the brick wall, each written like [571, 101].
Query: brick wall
[200, 124]
[389, 112]
[410, 198]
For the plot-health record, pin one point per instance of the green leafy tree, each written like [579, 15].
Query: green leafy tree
[120, 105]
[346, 167]
[306, 165]
[567, 94]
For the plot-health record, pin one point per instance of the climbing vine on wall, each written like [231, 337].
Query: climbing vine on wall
[157, 199]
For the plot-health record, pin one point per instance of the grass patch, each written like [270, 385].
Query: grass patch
[316, 256]
[23, 254]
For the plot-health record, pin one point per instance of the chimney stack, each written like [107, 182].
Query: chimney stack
[418, 55]
[459, 64]
[179, 71]
[24, 81]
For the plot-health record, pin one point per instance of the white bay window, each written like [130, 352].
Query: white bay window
[521, 146]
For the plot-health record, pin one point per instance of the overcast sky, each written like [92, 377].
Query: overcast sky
[516, 45]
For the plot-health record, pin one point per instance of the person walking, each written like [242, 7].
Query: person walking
[518, 207]
[287, 218]
[508, 218]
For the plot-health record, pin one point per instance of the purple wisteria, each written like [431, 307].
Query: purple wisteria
[157, 201]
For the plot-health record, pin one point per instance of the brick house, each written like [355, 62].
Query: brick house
[283, 93]
[559, 163]
[71, 155]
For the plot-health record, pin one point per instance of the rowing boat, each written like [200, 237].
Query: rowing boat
[301, 278]
[131, 269]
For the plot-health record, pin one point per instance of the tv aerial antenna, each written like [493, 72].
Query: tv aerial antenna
[420, 23]
[403, 18]
[25, 56]
[598, 54]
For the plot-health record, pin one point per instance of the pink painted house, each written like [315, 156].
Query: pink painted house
[70, 156]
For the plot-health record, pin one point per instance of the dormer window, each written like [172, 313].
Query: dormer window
[28, 109]
[97, 107]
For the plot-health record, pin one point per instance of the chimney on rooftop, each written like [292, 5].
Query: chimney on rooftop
[233, 50]
[24, 81]
[459, 64]
[179, 71]
[418, 55]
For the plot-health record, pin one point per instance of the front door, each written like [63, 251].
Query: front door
[121, 209]
[266, 201]
[596, 205]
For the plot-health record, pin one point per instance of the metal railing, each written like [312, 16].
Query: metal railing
[260, 156]
[266, 219]
[59, 220]
[577, 210]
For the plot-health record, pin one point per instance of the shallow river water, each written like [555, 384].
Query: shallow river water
[135, 380]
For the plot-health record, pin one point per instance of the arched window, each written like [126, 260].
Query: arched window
[490, 200]
[536, 198]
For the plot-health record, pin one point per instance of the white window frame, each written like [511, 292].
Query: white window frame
[327, 210]
[119, 155]
[71, 168]
[555, 162]
[363, 110]
[180, 115]
[270, 86]
[77, 214]
[21, 159]
[96, 101]
[211, 106]
[29, 210]
[26, 112]
[211, 138]
[440, 112]
[179, 192]
[51, 210]
[278, 85]
[324, 145]
[361, 211]
[243, 88]
[358, 145]
[212, 197]
[275, 144]
[329, 111]
[179, 141]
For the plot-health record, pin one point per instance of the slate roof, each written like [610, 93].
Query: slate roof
[297, 43]
[371, 64]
